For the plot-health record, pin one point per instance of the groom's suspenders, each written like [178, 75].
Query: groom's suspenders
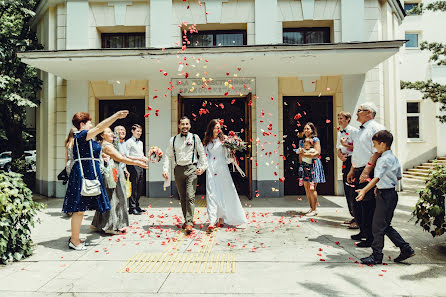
[175, 154]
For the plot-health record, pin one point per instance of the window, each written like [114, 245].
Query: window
[409, 6]
[412, 40]
[413, 120]
[217, 38]
[306, 35]
[123, 40]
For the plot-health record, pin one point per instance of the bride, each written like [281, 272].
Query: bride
[223, 202]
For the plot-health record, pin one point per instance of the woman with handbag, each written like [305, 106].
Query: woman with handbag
[117, 218]
[86, 189]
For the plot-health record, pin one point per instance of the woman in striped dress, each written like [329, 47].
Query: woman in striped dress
[317, 170]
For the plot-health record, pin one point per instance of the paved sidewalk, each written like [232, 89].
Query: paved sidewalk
[279, 253]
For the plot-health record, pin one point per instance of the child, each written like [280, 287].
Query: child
[387, 174]
[306, 169]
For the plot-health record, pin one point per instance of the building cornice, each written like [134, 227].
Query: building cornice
[398, 8]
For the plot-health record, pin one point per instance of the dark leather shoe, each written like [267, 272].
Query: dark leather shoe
[406, 254]
[141, 210]
[134, 212]
[184, 226]
[358, 236]
[371, 260]
[364, 244]
[188, 229]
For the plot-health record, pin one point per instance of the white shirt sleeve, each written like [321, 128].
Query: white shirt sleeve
[201, 153]
[168, 156]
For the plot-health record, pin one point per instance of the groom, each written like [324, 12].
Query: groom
[183, 149]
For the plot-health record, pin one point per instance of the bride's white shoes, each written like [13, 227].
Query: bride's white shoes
[312, 213]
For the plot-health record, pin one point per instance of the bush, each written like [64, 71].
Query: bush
[17, 216]
[430, 208]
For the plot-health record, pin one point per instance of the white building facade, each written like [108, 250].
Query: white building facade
[424, 132]
[264, 66]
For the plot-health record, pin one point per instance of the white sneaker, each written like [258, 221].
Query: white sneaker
[80, 247]
[312, 213]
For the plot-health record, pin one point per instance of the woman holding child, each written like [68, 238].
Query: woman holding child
[313, 172]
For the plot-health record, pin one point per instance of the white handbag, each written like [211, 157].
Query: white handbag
[90, 187]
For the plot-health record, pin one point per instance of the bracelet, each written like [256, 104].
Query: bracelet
[370, 164]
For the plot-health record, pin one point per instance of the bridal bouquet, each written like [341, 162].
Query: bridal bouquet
[155, 154]
[234, 143]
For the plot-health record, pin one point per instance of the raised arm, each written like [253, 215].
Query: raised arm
[117, 156]
[106, 123]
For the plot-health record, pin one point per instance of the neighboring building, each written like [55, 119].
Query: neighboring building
[263, 62]
[424, 132]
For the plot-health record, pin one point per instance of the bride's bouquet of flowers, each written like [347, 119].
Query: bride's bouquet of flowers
[155, 154]
[234, 143]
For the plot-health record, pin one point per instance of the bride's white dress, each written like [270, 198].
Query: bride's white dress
[221, 196]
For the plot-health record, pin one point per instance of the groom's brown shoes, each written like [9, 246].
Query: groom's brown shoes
[188, 229]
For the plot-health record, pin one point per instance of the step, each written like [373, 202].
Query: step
[422, 170]
[424, 167]
[415, 178]
[441, 158]
[429, 164]
[417, 173]
[437, 161]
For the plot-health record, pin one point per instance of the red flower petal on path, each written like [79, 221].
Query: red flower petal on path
[323, 260]
[127, 269]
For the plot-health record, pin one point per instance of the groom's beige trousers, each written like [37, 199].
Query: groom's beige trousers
[186, 181]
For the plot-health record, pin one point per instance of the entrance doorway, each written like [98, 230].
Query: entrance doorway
[136, 108]
[319, 111]
[236, 113]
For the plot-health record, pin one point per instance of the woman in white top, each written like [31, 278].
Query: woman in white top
[223, 203]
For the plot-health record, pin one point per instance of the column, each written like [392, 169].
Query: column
[77, 99]
[352, 20]
[353, 94]
[77, 24]
[161, 29]
[267, 28]
[46, 146]
[159, 135]
[268, 184]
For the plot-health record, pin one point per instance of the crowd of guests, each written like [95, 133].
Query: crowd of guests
[370, 176]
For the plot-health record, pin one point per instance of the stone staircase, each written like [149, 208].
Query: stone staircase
[421, 172]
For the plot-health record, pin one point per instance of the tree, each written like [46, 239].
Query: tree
[431, 90]
[19, 83]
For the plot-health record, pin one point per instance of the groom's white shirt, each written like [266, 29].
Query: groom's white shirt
[184, 148]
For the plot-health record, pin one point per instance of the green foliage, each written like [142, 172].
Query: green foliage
[433, 91]
[19, 83]
[17, 216]
[430, 208]
[434, 6]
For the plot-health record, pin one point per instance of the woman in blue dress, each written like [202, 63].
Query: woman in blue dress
[75, 202]
[318, 171]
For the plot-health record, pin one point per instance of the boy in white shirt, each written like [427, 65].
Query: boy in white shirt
[387, 173]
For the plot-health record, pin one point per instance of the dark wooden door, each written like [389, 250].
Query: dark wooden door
[318, 110]
[236, 113]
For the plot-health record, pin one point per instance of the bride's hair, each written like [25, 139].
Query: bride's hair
[209, 134]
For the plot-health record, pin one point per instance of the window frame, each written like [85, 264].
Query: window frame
[413, 114]
[327, 30]
[143, 34]
[214, 34]
[418, 40]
